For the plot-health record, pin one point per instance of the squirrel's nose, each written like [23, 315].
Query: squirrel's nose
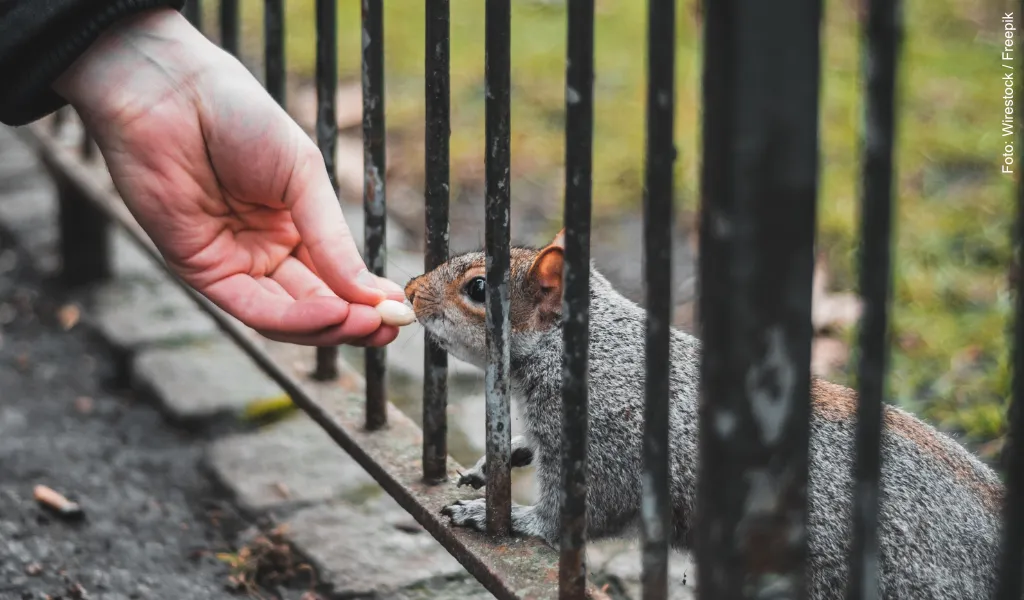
[411, 288]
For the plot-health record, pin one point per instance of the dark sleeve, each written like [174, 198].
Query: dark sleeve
[39, 39]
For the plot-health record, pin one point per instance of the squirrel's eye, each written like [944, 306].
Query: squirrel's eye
[476, 289]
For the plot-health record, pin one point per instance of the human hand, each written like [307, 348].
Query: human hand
[230, 189]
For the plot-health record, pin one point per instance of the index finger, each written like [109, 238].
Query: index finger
[318, 218]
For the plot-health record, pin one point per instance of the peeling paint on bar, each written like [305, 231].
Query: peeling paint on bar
[497, 63]
[758, 188]
[579, 133]
[374, 193]
[327, 132]
[436, 194]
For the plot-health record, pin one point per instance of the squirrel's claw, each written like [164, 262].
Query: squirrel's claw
[467, 513]
[472, 478]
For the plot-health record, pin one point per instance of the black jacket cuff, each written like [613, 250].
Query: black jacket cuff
[40, 39]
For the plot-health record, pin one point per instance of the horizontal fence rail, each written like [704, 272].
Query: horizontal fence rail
[759, 178]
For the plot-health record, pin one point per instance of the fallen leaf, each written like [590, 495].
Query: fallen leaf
[84, 405]
[68, 315]
[33, 569]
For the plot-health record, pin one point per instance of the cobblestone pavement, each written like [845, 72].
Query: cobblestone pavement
[289, 473]
[149, 510]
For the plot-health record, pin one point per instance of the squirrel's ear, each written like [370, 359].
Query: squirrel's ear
[559, 241]
[546, 273]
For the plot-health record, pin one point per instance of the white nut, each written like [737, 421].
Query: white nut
[395, 313]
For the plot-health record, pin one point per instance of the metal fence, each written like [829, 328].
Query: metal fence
[759, 190]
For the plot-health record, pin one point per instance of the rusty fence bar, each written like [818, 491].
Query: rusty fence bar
[229, 25]
[881, 39]
[436, 195]
[1010, 585]
[374, 199]
[579, 132]
[658, 183]
[759, 186]
[497, 64]
[327, 132]
[273, 49]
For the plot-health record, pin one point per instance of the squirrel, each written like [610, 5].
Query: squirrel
[940, 515]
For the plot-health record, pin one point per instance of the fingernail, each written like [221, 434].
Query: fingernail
[367, 279]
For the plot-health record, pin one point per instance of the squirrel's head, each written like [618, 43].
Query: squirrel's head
[450, 301]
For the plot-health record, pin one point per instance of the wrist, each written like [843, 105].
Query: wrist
[134, 64]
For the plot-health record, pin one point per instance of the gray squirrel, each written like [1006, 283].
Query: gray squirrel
[940, 520]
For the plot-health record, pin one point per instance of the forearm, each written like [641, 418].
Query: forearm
[40, 39]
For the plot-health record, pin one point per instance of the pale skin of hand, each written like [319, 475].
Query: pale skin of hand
[230, 189]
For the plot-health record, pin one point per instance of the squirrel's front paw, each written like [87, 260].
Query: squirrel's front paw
[473, 477]
[468, 513]
[477, 476]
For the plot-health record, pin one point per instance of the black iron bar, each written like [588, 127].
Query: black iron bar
[497, 31]
[193, 11]
[1011, 567]
[84, 238]
[881, 41]
[229, 26]
[374, 200]
[327, 132]
[658, 191]
[273, 49]
[759, 185]
[436, 192]
[579, 131]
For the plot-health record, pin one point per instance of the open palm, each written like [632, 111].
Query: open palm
[236, 197]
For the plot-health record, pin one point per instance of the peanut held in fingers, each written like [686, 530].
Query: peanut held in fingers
[395, 313]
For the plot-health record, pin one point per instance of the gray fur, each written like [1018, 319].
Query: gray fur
[938, 538]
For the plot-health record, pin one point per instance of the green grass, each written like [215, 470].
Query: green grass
[952, 248]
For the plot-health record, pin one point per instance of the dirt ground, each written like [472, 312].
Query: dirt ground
[152, 520]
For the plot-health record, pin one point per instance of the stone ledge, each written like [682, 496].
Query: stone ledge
[290, 463]
[131, 314]
[374, 549]
[202, 380]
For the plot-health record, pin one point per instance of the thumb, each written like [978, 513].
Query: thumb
[321, 225]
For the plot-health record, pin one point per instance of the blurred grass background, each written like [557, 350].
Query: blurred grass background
[952, 305]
